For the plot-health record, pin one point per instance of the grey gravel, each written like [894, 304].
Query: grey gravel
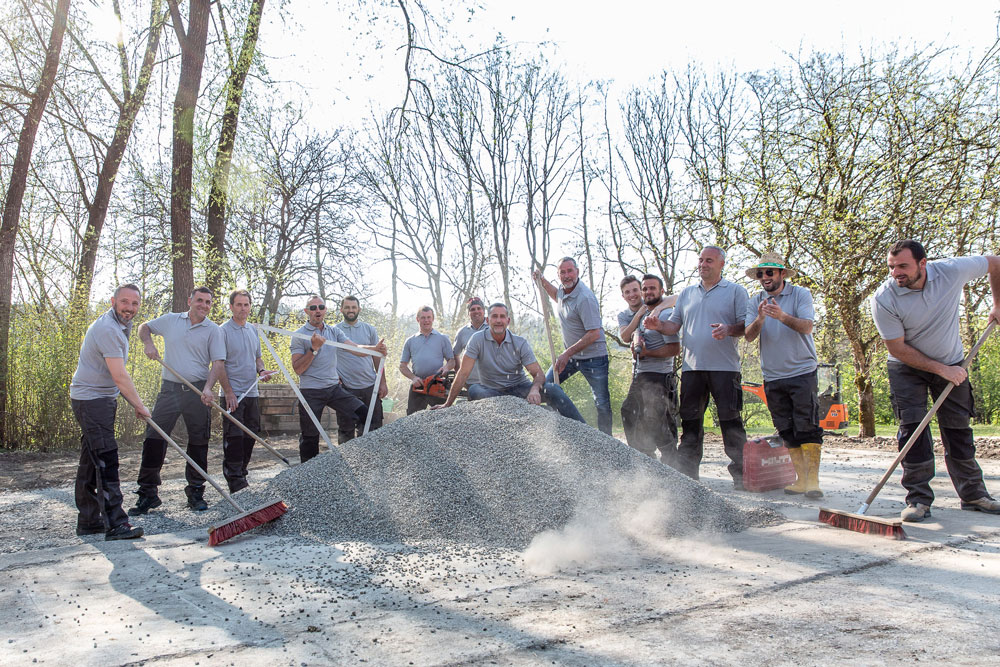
[494, 472]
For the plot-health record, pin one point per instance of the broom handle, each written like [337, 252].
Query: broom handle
[225, 413]
[925, 421]
[194, 465]
[548, 326]
[374, 397]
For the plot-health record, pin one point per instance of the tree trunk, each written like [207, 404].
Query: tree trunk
[219, 192]
[98, 210]
[15, 194]
[192, 61]
[862, 371]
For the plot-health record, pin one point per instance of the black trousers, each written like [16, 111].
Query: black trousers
[347, 428]
[98, 488]
[648, 415]
[237, 446]
[176, 400]
[909, 389]
[725, 389]
[794, 406]
[336, 397]
[416, 401]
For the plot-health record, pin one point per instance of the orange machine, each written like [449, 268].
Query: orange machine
[833, 412]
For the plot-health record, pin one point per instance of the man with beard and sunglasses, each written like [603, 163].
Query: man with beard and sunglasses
[781, 315]
[316, 365]
[916, 313]
[99, 379]
[357, 374]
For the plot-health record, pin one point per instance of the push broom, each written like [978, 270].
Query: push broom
[893, 528]
[242, 522]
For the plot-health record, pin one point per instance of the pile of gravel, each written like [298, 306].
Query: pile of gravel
[493, 472]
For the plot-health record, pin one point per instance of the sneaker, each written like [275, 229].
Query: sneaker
[984, 504]
[144, 504]
[915, 513]
[89, 530]
[123, 532]
[197, 503]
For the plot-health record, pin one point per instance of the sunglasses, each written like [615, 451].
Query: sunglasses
[766, 272]
[316, 306]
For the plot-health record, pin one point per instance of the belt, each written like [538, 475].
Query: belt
[169, 385]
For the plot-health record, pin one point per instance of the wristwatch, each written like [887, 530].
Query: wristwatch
[315, 352]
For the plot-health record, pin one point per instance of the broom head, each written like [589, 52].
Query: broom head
[859, 523]
[247, 521]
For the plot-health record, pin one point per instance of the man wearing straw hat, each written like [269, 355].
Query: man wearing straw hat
[781, 315]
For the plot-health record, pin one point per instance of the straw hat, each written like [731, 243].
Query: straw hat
[771, 260]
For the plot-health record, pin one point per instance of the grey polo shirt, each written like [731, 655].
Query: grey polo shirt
[357, 372]
[501, 365]
[927, 319]
[242, 352]
[625, 319]
[428, 353]
[655, 340]
[784, 352]
[189, 348]
[696, 310]
[106, 338]
[462, 341]
[322, 372]
[579, 312]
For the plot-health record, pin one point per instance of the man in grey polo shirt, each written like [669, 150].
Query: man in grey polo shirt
[99, 378]
[583, 335]
[648, 409]
[782, 315]
[710, 317]
[244, 367]
[319, 380]
[431, 354]
[916, 313]
[357, 374]
[477, 322]
[501, 357]
[195, 348]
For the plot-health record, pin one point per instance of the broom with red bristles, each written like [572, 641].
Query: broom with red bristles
[241, 523]
[893, 528]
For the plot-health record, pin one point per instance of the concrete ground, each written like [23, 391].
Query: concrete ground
[796, 593]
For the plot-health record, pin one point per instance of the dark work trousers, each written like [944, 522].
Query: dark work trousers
[908, 389]
[237, 446]
[794, 406]
[347, 427]
[334, 396]
[98, 489]
[725, 389]
[648, 415]
[416, 401]
[176, 400]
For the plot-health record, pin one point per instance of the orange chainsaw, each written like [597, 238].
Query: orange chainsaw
[436, 385]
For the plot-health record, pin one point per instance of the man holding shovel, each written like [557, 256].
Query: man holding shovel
[99, 378]
[193, 346]
[916, 313]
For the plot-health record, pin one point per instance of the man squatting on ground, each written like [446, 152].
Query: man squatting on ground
[710, 317]
[782, 316]
[244, 367]
[431, 354]
[195, 348]
[916, 313]
[648, 409]
[477, 322]
[500, 356]
[316, 365]
[100, 376]
[357, 374]
[583, 335]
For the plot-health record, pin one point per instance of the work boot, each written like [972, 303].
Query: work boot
[89, 530]
[237, 485]
[915, 513]
[811, 452]
[197, 503]
[984, 504]
[144, 504]
[123, 532]
[799, 462]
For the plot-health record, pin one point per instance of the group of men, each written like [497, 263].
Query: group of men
[915, 311]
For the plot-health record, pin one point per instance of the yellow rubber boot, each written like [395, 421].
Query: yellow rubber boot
[811, 452]
[799, 461]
